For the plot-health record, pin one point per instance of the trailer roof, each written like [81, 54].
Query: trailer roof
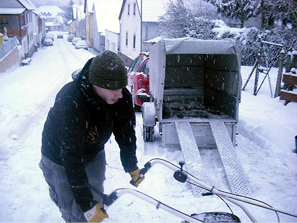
[198, 46]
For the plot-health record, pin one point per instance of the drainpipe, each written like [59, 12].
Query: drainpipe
[141, 26]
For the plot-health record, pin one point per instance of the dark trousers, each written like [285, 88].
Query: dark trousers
[59, 188]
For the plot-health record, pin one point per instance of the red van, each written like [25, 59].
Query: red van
[138, 79]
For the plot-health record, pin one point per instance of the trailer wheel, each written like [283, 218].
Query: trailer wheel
[148, 133]
[137, 108]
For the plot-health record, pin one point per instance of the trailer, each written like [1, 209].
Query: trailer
[195, 89]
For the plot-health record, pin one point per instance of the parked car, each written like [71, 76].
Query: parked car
[81, 44]
[48, 41]
[70, 38]
[138, 79]
[50, 35]
[75, 39]
[60, 36]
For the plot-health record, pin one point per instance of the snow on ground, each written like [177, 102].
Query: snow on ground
[266, 131]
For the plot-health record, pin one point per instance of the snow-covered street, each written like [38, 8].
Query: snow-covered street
[266, 131]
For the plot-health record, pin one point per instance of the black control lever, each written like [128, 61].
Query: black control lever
[180, 175]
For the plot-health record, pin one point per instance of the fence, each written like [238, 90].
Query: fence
[8, 46]
[268, 69]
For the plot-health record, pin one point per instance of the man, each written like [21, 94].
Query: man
[85, 114]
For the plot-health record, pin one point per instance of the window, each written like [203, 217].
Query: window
[145, 68]
[3, 19]
[134, 8]
[126, 38]
[23, 19]
[135, 64]
[128, 9]
[134, 41]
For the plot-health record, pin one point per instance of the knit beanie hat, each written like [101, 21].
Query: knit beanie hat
[107, 71]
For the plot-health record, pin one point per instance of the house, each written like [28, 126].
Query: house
[112, 40]
[88, 10]
[53, 16]
[78, 25]
[20, 18]
[138, 23]
[102, 15]
[105, 18]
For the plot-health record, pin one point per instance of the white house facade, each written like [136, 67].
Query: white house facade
[138, 23]
[130, 30]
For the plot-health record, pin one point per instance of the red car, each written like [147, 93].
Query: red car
[138, 79]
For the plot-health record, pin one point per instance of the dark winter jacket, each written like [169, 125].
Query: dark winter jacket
[78, 126]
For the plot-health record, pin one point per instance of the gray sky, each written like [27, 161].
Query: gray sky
[38, 3]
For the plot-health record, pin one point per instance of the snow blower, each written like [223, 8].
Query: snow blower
[183, 176]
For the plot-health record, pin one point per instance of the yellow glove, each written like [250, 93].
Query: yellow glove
[96, 214]
[136, 178]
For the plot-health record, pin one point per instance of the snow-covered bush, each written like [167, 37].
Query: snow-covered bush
[180, 20]
[251, 38]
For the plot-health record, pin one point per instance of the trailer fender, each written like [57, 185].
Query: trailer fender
[148, 114]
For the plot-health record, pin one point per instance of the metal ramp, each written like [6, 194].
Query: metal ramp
[191, 154]
[232, 167]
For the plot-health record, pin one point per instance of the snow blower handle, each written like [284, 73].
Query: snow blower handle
[143, 171]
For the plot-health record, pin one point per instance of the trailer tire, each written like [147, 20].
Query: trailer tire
[148, 133]
[137, 108]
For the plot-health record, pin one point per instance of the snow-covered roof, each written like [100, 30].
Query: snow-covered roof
[78, 11]
[51, 24]
[107, 12]
[27, 4]
[60, 19]
[12, 11]
[53, 10]
[89, 5]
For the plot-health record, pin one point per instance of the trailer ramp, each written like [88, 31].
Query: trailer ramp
[231, 165]
[191, 154]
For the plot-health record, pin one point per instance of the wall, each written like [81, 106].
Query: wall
[149, 30]
[111, 41]
[131, 24]
[10, 61]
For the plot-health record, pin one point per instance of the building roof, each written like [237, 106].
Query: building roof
[16, 6]
[107, 12]
[11, 11]
[78, 11]
[53, 10]
[28, 4]
[52, 24]
[89, 5]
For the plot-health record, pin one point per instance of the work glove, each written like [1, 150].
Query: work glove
[136, 177]
[96, 214]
